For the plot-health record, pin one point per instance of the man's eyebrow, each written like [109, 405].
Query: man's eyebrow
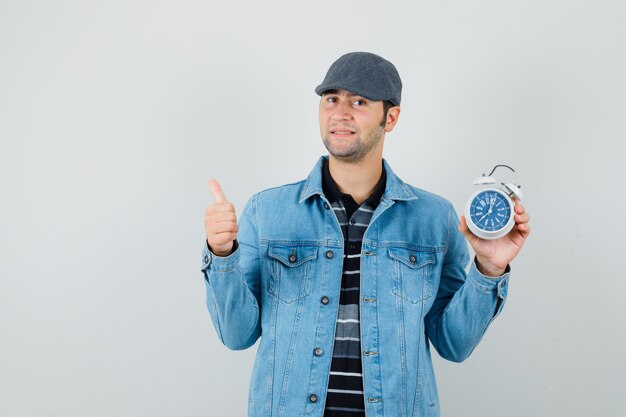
[348, 94]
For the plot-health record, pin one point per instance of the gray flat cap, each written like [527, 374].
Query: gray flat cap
[365, 74]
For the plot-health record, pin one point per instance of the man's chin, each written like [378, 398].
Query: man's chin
[339, 151]
[349, 157]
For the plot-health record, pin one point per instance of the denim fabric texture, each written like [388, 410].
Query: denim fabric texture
[282, 284]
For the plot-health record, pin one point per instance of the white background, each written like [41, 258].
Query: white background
[114, 114]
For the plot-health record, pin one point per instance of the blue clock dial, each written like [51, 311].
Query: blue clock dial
[490, 211]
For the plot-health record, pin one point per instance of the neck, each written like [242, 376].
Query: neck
[359, 179]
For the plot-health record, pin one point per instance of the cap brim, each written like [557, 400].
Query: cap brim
[322, 88]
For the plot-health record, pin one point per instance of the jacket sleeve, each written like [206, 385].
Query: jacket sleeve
[233, 286]
[466, 302]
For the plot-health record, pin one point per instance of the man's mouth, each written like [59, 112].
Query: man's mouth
[342, 132]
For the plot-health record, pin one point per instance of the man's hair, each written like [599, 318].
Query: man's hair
[386, 106]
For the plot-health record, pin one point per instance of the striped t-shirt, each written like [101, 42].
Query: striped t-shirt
[345, 386]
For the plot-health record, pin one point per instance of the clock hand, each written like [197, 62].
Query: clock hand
[485, 215]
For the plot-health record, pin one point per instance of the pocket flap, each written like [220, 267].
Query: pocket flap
[412, 258]
[292, 255]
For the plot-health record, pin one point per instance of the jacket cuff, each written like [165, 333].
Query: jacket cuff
[488, 284]
[219, 263]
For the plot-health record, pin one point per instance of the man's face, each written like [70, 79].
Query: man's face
[350, 125]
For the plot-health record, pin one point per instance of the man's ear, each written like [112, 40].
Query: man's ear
[392, 118]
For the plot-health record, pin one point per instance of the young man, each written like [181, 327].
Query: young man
[349, 276]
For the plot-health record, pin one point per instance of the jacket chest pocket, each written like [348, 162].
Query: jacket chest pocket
[291, 271]
[412, 277]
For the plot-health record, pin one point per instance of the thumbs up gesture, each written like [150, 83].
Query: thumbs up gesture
[220, 222]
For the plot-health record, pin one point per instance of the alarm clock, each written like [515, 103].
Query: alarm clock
[489, 211]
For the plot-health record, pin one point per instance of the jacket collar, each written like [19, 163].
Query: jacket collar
[395, 189]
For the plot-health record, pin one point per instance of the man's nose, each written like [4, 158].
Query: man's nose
[342, 112]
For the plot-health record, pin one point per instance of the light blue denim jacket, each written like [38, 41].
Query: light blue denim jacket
[282, 285]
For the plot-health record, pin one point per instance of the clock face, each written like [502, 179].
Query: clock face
[490, 211]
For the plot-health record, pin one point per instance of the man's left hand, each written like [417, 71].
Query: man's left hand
[493, 256]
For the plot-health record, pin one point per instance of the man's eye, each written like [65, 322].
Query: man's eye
[331, 99]
[359, 102]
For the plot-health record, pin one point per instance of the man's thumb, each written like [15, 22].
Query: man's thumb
[217, 192]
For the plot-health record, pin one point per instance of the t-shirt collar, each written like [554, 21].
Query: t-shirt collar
[331, 190]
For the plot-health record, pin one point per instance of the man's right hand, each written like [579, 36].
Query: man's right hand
[220, 222]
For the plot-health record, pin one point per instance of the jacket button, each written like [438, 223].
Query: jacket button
[325, 300]
[318, 351]
[313, 398]
[330, 254]
[206, 259]
[293, 258]
[353, 221]
[326, 206]
[413, 259]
